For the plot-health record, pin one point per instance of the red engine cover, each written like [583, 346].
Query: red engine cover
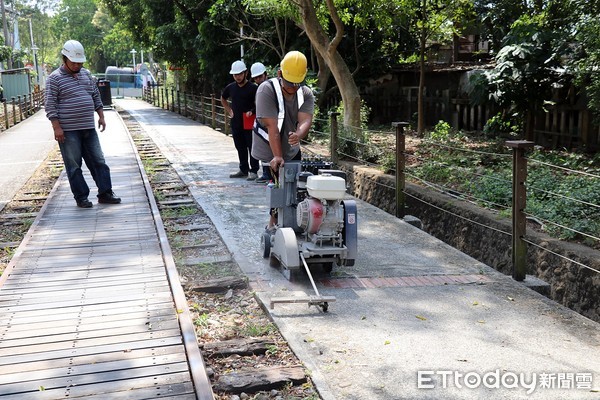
[310, 215]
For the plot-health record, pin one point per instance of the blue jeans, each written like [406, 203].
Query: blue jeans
[84, 144]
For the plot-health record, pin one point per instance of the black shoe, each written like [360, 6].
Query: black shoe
[239, 174]
[84, 203]
[108, 198]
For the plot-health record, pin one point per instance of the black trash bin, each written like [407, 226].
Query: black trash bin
[104, 89]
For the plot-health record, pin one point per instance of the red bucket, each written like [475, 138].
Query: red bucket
[249, 121]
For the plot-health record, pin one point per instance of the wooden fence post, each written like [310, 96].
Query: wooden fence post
[333, 136]
[213, 111]
[185, 109]
[20, 102]
[14, 110]
[6, 120]
[195, 107]
[400, 167]
[519, 202]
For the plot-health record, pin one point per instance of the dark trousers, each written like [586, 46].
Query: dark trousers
[242, 139]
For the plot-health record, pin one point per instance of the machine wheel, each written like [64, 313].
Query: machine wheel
[325, 306]
[328, 267]
[274, 261]
[265, 244]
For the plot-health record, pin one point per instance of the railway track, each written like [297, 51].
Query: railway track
[90, 302]
[244, 352]
[248, 348]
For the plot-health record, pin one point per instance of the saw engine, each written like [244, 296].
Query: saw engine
[320, 214]
[316, 224]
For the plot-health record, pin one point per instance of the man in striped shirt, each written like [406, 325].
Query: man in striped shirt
[71, 99]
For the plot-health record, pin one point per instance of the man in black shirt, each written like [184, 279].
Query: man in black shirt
[242, 112]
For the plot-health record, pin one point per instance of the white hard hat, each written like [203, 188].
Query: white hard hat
[257, 69]
[237, 67]
[73, 50]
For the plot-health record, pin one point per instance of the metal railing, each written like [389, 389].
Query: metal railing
[517, 187]
[205, 109]
[17, 109]
[327, 141]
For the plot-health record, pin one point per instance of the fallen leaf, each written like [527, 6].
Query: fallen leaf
[421, 317]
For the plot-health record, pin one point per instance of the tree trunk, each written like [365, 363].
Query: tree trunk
[420, 107]
[529, 127]
[323, 78]
[328, 50]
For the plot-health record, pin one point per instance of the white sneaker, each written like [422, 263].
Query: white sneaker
[251, 176]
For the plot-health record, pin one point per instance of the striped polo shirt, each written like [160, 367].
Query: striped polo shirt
[72, 99]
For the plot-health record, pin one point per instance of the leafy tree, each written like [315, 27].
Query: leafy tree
[73, 20]
[5, 51]
[496, 17]
[37, 14]
[316, 22]
[586, 61]
[434, 20]
[168, 29]
[530, 65]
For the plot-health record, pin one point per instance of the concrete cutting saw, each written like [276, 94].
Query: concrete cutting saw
[315, 224]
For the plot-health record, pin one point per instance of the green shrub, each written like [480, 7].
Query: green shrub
[497, 126]
[441, 132]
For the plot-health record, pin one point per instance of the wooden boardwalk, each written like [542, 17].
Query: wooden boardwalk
[91, 305]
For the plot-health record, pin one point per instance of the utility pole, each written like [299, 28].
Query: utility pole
[133, 55]
[34, 49]
[241, 38]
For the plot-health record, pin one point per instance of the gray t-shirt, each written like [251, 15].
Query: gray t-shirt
[267, 107]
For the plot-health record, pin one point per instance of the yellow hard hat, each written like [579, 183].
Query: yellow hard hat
[293, 67]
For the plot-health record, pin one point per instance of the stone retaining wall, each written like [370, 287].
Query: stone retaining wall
[485, 236]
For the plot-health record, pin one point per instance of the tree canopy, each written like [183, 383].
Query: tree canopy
[348, 42]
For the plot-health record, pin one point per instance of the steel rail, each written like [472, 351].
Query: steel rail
[198, 372]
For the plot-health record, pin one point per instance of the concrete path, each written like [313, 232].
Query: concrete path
[23, 148]
[414, 318]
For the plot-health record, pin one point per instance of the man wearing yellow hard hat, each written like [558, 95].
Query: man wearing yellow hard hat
[284, 112]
